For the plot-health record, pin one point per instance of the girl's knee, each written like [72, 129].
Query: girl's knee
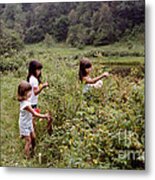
[28, 140]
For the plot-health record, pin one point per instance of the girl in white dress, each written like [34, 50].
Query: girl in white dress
[25, 117]
[84, 75]
[34, 78]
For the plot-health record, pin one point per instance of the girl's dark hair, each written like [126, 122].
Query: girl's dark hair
[23, 88]
[33, 66]
[84, 64]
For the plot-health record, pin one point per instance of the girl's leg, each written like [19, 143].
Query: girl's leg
[34, 118]
[33, 138]
[27, 146]
[34, 122]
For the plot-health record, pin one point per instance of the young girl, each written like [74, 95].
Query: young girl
[25, 117]
[84, 75]
[34, 78]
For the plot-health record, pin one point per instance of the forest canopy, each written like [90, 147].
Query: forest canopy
[76, 23]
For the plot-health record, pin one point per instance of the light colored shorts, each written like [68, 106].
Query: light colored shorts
[26, 131]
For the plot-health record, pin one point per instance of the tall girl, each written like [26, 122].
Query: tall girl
[34, 78]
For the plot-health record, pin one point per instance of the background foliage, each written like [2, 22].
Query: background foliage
[77, 23]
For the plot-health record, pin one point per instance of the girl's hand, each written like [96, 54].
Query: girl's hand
[105, 74]
[45, 85]
[47, 116]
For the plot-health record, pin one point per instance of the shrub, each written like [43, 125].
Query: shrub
[10, 42]
[48, 40]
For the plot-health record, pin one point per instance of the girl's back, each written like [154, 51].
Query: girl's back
[25, 117]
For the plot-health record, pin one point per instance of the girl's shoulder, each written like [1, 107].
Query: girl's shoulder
[86, 78]
[24, 104]
[33, 79]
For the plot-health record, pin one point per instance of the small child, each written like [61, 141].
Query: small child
[84, 75]
[34, 78]
[25, 117]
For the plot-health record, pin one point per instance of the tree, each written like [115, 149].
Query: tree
[103, 23]
[61, 28]
[34, 35]
[9, 40]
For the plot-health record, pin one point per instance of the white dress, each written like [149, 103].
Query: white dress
[34, 83]
[96, 85]
[25, 119]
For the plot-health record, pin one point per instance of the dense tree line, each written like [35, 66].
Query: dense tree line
[77, 23]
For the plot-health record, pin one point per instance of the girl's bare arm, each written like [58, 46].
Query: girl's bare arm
[94, 80]
[34, 113]
[37, 90]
